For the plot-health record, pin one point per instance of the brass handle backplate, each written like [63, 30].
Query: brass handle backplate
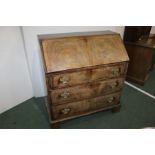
[65, 111]
[110, 99]
[116, 71]
[65, 95]
[64, 80]
[114, 84]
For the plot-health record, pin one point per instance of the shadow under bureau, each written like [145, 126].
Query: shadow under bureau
[84, 73]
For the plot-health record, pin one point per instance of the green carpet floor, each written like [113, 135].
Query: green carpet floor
[149, 84]
[138, 111]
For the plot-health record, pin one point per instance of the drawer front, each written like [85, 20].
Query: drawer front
[90, 90]
[77, 108]
[80, 77]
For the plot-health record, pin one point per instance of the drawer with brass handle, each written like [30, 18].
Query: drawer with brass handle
[114, 84]
[84, 73]
[65, 111]
[65, 95]
[60, 80]
[116, 71]
[64, 80]
[110, 99]
[70, 109]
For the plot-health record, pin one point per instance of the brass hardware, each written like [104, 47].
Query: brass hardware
[65, 95]
[114, 84]
[65, 111]
[110, 99]
[115, 71]
[64, 80]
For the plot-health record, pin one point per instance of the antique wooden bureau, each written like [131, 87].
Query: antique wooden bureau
[84, 73]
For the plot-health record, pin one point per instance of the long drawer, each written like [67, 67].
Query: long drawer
[74, 78]
[72, 94]
[76, 108]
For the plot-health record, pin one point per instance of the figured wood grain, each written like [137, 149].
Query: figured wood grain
[85, 106]
[84, 74]
[67, 53]
[76, 52]
[80, 114]
[87, 75]
[84, 91]
[105, 49]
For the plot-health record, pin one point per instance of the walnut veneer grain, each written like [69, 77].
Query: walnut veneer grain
[84, 74]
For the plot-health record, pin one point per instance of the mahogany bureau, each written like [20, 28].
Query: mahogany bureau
[84, 73]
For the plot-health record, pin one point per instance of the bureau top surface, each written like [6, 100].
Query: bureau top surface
[64, 52]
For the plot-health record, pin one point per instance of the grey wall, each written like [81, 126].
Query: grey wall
[15, 83]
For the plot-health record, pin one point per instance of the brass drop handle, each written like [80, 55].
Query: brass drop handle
[64, 80]
[115, 71]
[114, 84]
[65, 95]
[110, 99]
[65, 111]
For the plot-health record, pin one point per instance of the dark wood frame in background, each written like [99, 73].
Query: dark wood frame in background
[141, 50]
